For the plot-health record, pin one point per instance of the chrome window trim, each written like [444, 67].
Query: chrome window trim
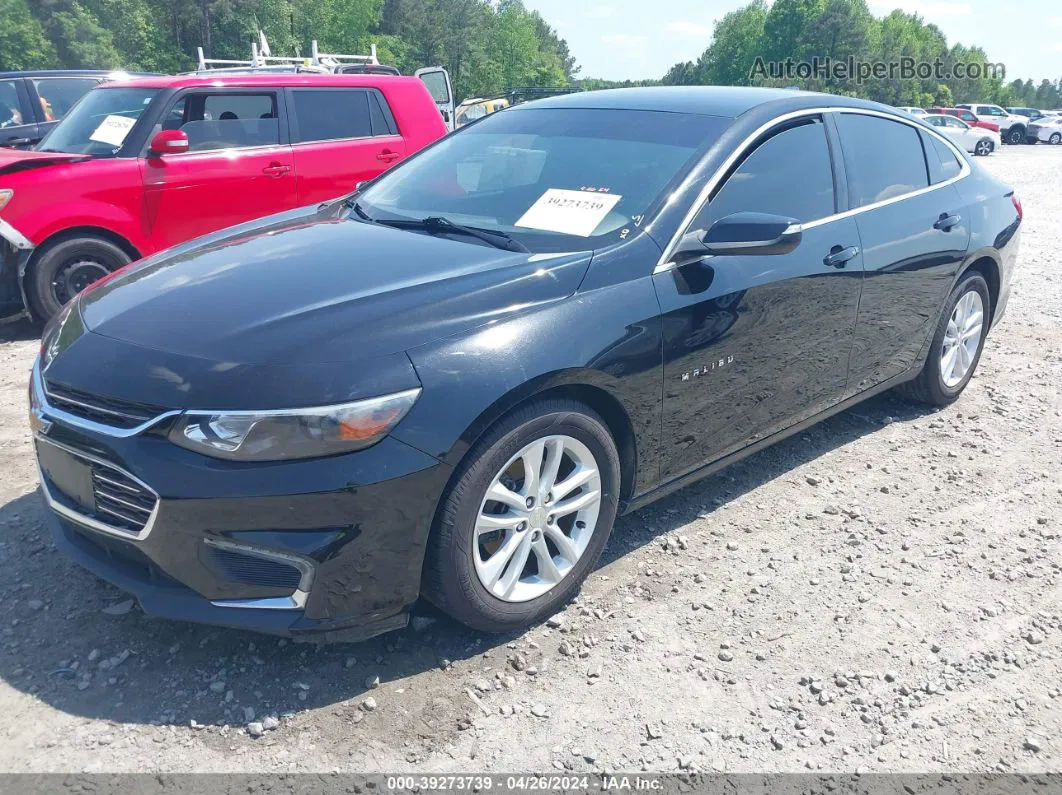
[297, 599]
[664, 263]
[67, 418]
[89, 521]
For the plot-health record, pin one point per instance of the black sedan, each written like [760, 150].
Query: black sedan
[450, 383]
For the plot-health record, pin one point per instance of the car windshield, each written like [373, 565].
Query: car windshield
[99, 123]
[553, 179]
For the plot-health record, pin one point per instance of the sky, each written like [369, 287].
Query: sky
[632, 39]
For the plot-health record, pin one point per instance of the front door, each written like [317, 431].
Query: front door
[239, 166]
[754, 344]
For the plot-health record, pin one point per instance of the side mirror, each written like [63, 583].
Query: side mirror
[750, 233]
[169, 142]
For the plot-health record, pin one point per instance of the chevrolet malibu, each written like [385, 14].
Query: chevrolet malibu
[450, 383]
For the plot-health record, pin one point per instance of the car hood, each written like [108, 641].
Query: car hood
[312, 287]
[13, 160]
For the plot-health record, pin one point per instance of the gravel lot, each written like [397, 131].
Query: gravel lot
[880, 593]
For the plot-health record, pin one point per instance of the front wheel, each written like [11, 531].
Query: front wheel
[957, 344]
[1015, 135]
[65, 267]
[983, 147]
[526, 519]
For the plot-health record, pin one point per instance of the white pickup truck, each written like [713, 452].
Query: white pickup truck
[1012, 128]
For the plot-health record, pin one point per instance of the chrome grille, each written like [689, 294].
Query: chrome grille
[121, 501]
[107, 411]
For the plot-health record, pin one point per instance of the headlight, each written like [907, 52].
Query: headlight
[5, 197]
[292, 433]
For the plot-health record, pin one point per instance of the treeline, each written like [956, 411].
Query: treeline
[803, 29]
[488, 47]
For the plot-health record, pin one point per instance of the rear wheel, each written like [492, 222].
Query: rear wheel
[957, 344]
[1056, 138]
[65, 267]
[526, 519]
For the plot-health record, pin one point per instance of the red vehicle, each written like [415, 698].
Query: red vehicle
[138, 166]
[966, 116]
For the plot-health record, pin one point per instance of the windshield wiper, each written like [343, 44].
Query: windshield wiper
[436, 224]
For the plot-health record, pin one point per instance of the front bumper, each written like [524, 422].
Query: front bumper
[332, 545]
[13, 262]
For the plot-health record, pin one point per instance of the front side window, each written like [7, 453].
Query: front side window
[332, 114]
[58, 94]
[883, 158]
[790, 174]
[554, 179]
[225, 120]
[100, 122]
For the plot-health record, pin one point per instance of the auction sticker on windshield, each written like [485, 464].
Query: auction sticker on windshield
[113, 130]
[571, 212]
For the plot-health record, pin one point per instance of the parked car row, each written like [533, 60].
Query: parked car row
[1015, 125]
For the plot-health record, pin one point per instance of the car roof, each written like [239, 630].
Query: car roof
[75, 73]
[261, 79]
[724, 101]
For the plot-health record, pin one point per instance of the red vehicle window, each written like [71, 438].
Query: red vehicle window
[226, 121]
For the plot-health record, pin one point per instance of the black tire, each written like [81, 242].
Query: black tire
[64, 267]
[984, 147]
[1015, 135]
[450, 579]
[1055, 139]
[929, 386]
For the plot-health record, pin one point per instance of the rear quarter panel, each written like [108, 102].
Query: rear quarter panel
[418, 118]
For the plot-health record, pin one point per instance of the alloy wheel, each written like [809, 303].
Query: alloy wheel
[984, 148]
[1056, 138]
[537, 518]
[962, 339]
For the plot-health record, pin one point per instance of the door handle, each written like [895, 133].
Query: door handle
[388, 156]
[839, 256]
[946, 222]
[276, 169]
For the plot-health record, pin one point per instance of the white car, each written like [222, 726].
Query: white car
[1047, 129]
[977, 140]
[1011, 127]
[912, 110]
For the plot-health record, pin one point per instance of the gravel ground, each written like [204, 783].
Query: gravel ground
[880, 593]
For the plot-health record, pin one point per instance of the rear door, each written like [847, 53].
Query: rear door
[18, 122]
[54, 96]
[914, 236]
[441, 89]
[341, 136]
[239, 166]
[754, 344]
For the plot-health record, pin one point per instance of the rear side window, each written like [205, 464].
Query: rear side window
[332, 114]
[943, 162]
[789, 174]
[383, 120]
[58, 94]
[884, 158]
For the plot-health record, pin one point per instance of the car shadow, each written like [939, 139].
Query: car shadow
[77, 644]
[20, 331]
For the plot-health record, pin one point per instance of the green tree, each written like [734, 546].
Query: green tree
[23, 42]
[729, 59]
